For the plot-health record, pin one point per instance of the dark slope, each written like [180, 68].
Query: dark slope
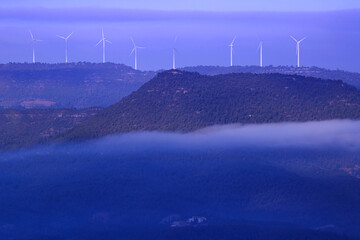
[22, 128]
[74, 85]
[184, 101]
[351, 78]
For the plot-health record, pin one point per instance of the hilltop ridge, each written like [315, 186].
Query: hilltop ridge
[83, 84]
[186, 101]
[352, 78]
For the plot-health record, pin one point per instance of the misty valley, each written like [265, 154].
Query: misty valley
[282, 181]
[179, 120]
[103, 151]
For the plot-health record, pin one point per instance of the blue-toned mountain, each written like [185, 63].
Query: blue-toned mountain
[185, 101]
[74, 85]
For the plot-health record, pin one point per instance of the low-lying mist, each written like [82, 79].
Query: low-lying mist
[306, 174]
[334, 134]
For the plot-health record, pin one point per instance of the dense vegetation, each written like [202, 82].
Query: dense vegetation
[21, 128]
[184, 101]
[114, 190]
[81, 85]
[77, 85]
[351, 78]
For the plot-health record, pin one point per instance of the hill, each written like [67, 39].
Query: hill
[184, 101]
[21, 128]
[82, 85]
[351, 78]
[75, 85]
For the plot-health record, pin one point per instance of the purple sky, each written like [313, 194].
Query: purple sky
[203, 36]
[204, 5]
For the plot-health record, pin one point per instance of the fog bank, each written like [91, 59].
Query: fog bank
[335, 134]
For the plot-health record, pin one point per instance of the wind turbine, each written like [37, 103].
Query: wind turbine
[33, 42]
[134, 50]
[104, 41]
[66, 45]
[231, 51]
[260, 48]
[298, 49]
[174, 50]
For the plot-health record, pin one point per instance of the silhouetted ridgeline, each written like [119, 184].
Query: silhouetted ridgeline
[81, 85]
[351, 78]
[184, 101]
[74, 85]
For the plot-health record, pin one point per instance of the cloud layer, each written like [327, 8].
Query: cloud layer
[300, 173]
[325, 134]
[336, 134]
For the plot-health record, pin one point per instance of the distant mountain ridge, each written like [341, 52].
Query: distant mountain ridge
[73, 85]
[83, 85]
[186, 101]
[352, 78]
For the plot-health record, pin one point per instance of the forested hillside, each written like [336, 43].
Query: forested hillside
[21, 128]
[81, 85]
[183, 101]
[351, 78]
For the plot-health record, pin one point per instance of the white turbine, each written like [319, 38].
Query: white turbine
[174, 50]
[231, 51]
[134, 50]
[104, 41]
[298, 49]
[260, 48]
[33, 43]
[66, 45]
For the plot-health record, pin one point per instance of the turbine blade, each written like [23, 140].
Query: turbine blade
[133, 42]
[69, 35]
[232, 43]
[99, 42]
[61, 37]
[132, 52]
[294, 39]
[31, 35]
[108, 41]
[302, 39]
[259, 46]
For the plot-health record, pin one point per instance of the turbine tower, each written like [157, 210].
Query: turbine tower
[104, 41]
[174, 50]
[298, 49]
[34, 40]
[134, 50]
[231, 51]
[66, 45]
[261, 53]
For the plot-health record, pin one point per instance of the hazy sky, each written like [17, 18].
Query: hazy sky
[214, 5]
[203, 36]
